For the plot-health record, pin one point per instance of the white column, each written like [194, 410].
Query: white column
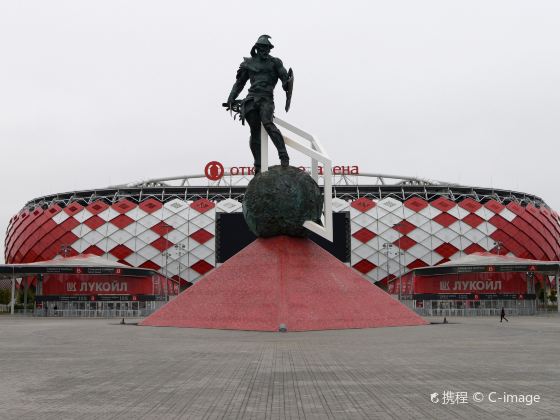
[264, 149]
[315, 170]
[13, 292]
[25, 288]
[557, 289]
[546, 279]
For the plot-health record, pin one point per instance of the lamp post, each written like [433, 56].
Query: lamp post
[64, 250]
[181, 251]
[395, 226]
[166, 255]
[400, 273]
[498, 244]
[387, 246]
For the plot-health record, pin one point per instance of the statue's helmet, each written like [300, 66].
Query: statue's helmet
[263, 40]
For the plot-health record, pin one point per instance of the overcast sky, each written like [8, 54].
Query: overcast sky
[94, 93]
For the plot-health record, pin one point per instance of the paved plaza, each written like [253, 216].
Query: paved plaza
[86, 369]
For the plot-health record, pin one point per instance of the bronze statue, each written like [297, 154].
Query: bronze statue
[263, 72]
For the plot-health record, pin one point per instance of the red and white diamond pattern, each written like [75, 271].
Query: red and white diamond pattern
[175, 238]
[229, 205]
[430, 233]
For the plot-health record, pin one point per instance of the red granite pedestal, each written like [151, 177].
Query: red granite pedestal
[283, 281]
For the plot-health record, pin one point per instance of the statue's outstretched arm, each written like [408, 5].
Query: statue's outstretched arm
[241, 80]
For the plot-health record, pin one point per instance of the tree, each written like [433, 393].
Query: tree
[5, 296]
[30, 295]
[539, 292]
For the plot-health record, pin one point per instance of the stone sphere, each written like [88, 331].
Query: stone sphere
[278, 201]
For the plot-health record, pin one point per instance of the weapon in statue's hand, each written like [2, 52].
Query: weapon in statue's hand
[234, 107]
[289, 88]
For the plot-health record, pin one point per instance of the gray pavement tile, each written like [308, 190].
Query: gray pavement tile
[97, 369]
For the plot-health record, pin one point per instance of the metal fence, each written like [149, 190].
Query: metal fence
[472, 308]
[547, 309]
[473, 312]
[91, 313]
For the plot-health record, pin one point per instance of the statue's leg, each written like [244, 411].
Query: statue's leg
[267, 112]
[254, 121]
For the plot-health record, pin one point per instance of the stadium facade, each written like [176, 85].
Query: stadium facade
[385, 226]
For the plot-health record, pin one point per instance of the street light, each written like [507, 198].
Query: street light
[181, 250]
[498, 244]
[399, 225]
[400, 272]
[64, 250]
[387, 246]
[166, 255]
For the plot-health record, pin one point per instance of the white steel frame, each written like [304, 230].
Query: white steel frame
[243, 179]
[317, 154]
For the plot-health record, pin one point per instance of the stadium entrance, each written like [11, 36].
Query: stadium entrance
[85, 286]
[480, 284]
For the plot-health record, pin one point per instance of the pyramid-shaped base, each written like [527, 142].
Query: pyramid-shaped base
[283, 280]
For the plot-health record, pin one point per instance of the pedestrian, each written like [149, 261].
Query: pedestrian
[503, 315]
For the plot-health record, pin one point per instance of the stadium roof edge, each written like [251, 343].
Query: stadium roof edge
[344, 191]
[229, 179]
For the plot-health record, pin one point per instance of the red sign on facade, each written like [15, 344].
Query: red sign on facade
[214, 170]
[55, 284]
[477, 283]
